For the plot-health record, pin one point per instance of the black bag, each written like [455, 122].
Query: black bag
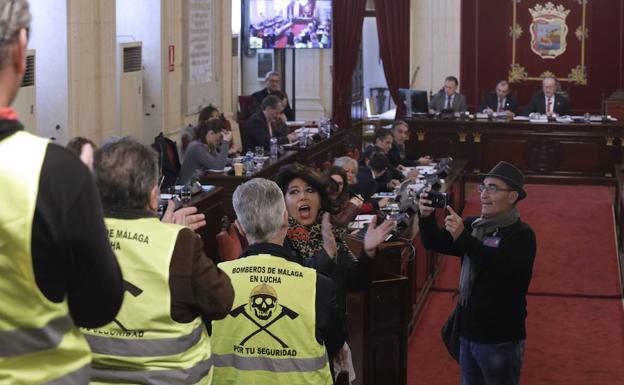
[450, 333]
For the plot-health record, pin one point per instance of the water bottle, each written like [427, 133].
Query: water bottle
[249, 164]
[273, 152]
[328, 128]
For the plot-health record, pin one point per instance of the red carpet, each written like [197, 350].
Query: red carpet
[575, 325]
[576, 251]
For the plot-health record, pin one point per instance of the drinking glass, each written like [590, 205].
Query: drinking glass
[259, 150]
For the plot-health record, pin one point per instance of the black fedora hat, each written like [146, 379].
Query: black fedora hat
[510, 175]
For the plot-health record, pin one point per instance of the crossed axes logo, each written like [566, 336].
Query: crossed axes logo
[135, 292]
[263, 301]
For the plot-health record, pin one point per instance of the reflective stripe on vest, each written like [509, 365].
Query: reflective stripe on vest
[39, 344]
[144, 344]
[24, 341]
[270, 364]
[144, 348]
[79, 377]
[269, 336]
[154, 377]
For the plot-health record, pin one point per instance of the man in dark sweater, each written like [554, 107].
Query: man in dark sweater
[497, 251]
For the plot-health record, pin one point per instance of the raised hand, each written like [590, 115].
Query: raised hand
[329, 241]
[376, 235]
[453, 223]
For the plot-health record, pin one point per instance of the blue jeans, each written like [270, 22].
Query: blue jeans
[490, 364]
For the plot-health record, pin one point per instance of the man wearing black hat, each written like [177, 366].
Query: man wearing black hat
[497, 251]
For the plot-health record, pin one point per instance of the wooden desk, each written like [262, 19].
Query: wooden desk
[314, 155]
[545, 152]
[228, 183]
[209, 203]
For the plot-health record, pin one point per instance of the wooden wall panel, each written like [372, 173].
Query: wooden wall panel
[486, 50]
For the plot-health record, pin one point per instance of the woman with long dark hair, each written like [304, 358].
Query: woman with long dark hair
[313, 239]
[208, 151]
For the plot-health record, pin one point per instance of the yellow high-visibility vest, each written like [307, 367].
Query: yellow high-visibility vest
[269, 336]
[39, 343]
[144, 345]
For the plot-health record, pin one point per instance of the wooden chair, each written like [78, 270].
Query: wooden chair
[231, 244]
[247, 105]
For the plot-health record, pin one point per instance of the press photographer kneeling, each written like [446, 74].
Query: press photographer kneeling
[497, 251]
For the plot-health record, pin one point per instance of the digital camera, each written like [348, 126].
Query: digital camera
[438, 199]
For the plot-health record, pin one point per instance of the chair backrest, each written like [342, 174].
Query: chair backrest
[168, 159]
[247, 105]
[231, 244]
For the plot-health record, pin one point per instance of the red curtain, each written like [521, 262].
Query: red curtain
[348, 18]
[393, 28]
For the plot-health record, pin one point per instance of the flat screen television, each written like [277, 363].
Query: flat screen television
[415, 101]
[288, 23]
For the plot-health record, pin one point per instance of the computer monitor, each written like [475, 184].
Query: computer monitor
[415, 101]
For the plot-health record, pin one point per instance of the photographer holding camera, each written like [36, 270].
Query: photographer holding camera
[497, 251]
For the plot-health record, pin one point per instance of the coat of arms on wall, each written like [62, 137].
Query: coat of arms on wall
[548, 30]
[549, 40]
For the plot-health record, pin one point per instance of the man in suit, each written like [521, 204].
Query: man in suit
[499, 101]
[547, 101]
[259, 130]
[272, 82]
[448, 98]
[397, 155]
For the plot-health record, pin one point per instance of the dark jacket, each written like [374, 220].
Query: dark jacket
[263, 93]
[365, 185]
[538, 104]
[257, 133]
[329, 329]
[347, 272]
[398, 156]
[491, 101]
[496, 309]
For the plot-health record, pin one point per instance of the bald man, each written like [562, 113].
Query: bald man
[547, 101]
[499, 100]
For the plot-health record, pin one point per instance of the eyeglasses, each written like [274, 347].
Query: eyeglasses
[491, 188]
[8, 25]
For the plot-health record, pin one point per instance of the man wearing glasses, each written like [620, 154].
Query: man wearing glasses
[497, 251]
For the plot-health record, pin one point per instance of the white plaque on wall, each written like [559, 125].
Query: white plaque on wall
[200, 83]
[200, 37]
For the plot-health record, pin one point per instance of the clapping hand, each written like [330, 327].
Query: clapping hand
[376, 235]
[185, 216]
